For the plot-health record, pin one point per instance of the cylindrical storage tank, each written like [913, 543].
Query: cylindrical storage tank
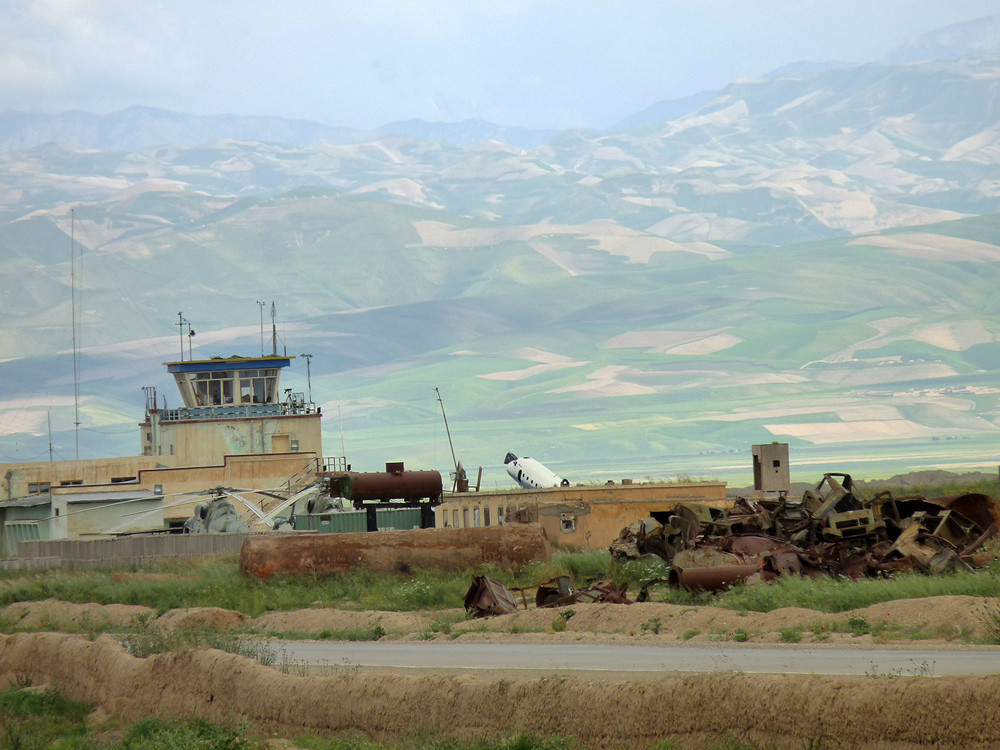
[263, 555]
[383, 485]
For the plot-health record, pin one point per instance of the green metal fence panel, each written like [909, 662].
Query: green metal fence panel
[330, 523]
[397, 518]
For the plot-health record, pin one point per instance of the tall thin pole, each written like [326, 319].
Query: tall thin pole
[274, 334]
[261, 306]
[76, 367]
[48, 418]
[343, 450]
[180, 332]
[453, 459]
[308, 359]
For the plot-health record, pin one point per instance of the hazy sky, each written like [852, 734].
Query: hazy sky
[362, 63]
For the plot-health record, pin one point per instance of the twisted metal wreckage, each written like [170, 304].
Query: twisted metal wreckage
[832, 530]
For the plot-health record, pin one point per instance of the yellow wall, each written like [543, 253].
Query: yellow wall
[14, 478]
[200, 442]
[593, 515]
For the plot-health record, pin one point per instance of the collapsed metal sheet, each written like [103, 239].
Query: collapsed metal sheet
[487, 597]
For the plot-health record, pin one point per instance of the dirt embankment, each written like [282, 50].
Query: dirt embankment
[772, 711]
[902, 622]
[611, 712]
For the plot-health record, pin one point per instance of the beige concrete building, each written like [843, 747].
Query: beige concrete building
[232, 431]
[578, 517]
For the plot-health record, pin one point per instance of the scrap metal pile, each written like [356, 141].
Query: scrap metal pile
[832, 530]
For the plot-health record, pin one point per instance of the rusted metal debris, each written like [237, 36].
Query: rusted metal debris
[487, 597]
[832, 530]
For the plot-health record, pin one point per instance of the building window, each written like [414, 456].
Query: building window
[70, 482]
[486, 516]
[257, 386]
[465, 518]
[38, 488]
[568, 521]
[454, 519]
[119, 480]
[475, 517]
[500, 516]
[158, 489]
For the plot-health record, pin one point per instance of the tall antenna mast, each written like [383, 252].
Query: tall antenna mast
[76, 364]
[274, 334]
[453, 459]
[48, 418]
[261, 306]
[343, 450]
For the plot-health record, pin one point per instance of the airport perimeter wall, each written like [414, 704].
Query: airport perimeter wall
[122, 551]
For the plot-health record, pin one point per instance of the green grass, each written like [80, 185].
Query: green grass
[841, 594]
[220, 584]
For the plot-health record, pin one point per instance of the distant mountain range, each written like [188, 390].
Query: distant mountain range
[138, 128]
[811, 256]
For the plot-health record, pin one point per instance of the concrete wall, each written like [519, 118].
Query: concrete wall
[581, 517]
[14, 478]
[140, 549]
[72, 519]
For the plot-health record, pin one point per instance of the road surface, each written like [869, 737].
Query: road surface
[640, 660]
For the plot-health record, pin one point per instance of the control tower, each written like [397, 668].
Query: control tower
[231, 406]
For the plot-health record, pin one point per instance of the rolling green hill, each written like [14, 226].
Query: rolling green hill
[811, 258]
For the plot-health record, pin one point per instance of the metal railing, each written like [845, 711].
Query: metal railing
[236, 411]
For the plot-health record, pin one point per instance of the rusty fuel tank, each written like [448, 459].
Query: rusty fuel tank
[395, 483]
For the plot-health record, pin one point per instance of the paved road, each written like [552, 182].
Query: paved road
[641, 659]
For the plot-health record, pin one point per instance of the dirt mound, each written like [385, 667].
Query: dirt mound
[948, 616]
[932, 618]
[774, 711]
[942, 618]
[193, 618]
[342, 621]
[52, 614]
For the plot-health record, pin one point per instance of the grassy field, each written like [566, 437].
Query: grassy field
[218, 583]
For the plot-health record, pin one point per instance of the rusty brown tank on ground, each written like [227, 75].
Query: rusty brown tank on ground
[393, 551]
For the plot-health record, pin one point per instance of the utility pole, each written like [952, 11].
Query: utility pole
[181, 322]
[308, 359]
[76, 355]
[180, 332]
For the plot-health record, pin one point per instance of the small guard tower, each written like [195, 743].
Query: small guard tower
[770, 468]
